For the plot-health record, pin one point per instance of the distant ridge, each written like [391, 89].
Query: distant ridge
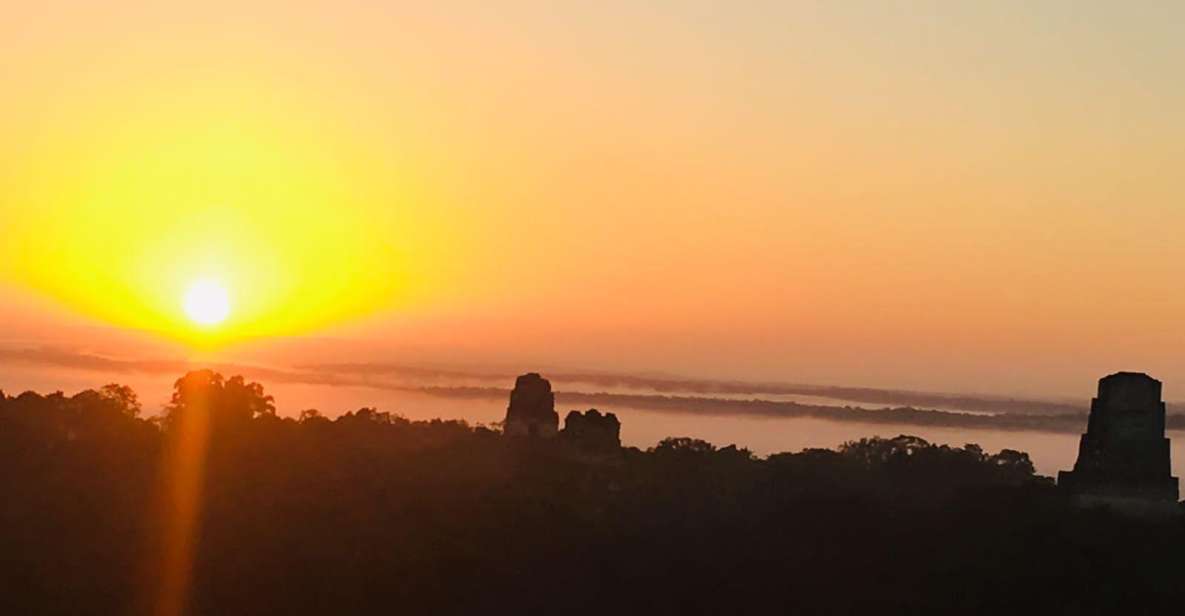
[684, 386]
[1069, 423]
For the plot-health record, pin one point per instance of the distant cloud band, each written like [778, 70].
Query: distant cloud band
[700, 397]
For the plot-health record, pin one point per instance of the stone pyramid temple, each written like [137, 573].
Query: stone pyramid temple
[532, 408]
[1124, 455]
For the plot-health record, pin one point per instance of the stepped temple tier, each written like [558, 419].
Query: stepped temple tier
[1124, 455]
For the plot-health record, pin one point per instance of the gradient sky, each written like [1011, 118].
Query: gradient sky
[977, 196]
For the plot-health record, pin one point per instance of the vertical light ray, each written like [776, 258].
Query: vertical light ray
[180, 507]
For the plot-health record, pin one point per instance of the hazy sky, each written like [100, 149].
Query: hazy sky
[942, 195]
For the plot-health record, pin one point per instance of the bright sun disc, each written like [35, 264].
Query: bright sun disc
[207, 303]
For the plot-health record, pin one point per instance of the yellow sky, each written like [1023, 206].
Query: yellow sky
[949, 196]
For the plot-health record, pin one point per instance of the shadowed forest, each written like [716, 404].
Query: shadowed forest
[372, 513]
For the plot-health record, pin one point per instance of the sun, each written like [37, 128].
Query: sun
[207, 302]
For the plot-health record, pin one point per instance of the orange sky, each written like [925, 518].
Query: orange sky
[950, 197]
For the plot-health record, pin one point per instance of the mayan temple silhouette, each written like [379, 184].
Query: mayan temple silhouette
[532, 408]
[1123, 459]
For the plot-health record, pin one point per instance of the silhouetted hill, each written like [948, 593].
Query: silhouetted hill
[372, 513]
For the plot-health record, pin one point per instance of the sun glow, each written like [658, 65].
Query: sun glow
[207, 303]
[207, 192]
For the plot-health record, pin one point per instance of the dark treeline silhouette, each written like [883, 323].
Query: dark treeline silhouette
[372, 513]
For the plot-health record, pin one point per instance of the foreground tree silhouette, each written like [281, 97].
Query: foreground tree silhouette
[231, 403]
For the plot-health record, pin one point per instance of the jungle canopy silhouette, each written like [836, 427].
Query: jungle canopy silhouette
[372, 512]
